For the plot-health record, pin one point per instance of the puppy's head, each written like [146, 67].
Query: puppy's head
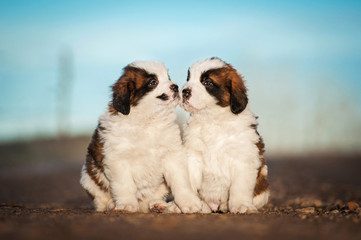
[144, 85]
[212, 83]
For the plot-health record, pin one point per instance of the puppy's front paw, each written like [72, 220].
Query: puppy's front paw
[173, 208]
[110, 205]
[243, 208]
[223, 207]
[189, 204]
[160, 206]
[157, 206]
[205, 208]
[127, 206]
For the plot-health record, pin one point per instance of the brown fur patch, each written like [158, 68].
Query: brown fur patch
[262, 183]
[130, 88]
[94, 159]
[227, 87]
[111, 109]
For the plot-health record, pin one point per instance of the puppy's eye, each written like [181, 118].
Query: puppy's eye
[208, 82]
[152, 83]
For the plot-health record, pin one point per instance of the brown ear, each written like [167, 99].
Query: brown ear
[122, 91]
[238, 93]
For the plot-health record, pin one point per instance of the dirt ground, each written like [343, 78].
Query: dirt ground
[313, 197]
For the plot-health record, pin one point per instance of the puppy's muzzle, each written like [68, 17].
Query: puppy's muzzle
[186, 93]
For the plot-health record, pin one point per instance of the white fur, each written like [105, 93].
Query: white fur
[141, 150]
[223, 158]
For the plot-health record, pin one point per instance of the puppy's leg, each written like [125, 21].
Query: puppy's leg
[122, 186]
[261, 192]
[194, 169]
[102, 200]
[177, 178]
[241, 191]
[262, 199]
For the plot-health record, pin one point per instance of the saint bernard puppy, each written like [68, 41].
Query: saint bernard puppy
[225, 152]
[136, 152]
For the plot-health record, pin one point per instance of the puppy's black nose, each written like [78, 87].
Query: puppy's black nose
[174, 87]
[186, 93]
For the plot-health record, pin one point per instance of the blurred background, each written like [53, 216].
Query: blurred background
[301, 61]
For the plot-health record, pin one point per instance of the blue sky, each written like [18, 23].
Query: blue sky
[301, 60]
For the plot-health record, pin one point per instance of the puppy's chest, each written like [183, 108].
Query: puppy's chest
[218, 140]
[220, 148]
[142, 150]
[139, 141]
[215, 165]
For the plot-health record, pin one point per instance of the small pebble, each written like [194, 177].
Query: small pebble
[317, 203]
[303, 217]
[352, 206]
[335, 211]
[306, 210]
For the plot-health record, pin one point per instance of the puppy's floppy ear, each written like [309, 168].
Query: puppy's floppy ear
[238, 93]
[122, 91]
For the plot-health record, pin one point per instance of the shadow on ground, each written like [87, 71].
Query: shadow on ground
[313, 197]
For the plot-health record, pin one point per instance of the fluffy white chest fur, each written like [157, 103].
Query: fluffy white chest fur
[140, 145]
